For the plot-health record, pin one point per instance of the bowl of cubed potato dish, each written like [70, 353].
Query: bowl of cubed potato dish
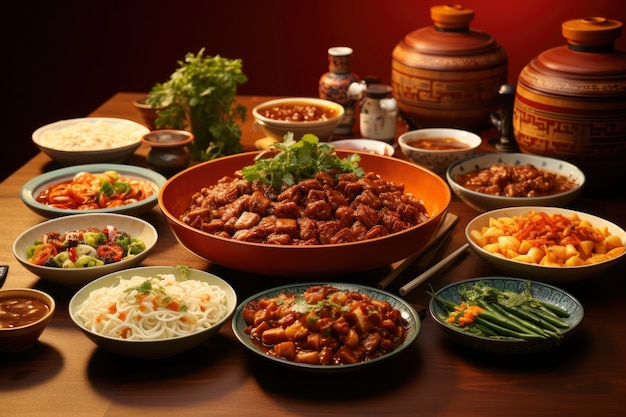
[550, 244]
[495, 180]
[334, 213]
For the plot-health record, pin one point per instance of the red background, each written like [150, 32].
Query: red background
[65, 58]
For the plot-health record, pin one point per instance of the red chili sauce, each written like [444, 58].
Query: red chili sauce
[515, 181]
[298, 112]
[20, 311]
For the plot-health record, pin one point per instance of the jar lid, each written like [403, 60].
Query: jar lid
[451, 17]
[340, 51]
[377, 91]
[591, 32]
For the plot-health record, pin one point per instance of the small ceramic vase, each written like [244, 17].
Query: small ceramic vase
[448, 75]
[378, 117]
[570, 102]
[334, 85]
[168, 154]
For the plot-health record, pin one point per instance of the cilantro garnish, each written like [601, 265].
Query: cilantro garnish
[299, 160]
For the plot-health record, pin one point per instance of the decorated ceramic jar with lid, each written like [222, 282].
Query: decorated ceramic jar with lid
[570, 101]
[334, 85]
[448, 74]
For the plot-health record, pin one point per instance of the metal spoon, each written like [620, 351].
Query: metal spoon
[4, 270]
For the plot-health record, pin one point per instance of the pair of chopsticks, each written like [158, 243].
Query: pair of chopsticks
[426, 253]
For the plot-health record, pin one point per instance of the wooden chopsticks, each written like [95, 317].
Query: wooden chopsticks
[445, 229]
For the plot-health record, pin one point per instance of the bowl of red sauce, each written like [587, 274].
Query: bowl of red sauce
[300, 115]
[496, 180]
[437, 148]
[24, 315]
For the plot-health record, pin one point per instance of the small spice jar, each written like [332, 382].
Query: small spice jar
[378, 118]
[168, 154]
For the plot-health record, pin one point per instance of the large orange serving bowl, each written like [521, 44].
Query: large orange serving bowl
[301, 261]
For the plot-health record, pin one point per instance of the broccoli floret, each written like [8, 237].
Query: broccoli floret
[94, 239]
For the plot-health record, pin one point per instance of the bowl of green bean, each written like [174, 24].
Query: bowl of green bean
[502, 315]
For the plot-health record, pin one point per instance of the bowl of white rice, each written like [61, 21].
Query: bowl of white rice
[89, 140]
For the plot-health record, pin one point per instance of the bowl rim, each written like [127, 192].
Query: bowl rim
[567, 332]
[474, 141]
[262, 120]
[388, 148]
[288, 248]
[41, 295]
[138, 270]
[580, 176]
[29, 190]
[37, 133]
[549, 209]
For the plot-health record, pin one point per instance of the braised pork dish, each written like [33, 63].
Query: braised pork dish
[333, 203]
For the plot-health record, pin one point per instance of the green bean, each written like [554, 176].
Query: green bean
[485, 330]
[555, 309]
[547, 317]
[503, 331]
[524, 323]
[502, 321]
[529, 316]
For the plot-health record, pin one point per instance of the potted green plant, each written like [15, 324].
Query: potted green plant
[201, 96]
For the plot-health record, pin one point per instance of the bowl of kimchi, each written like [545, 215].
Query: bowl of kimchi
[93, 188]
[550, 244]
[74, 250]
[290, 254]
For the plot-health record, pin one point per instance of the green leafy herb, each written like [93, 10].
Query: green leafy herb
[200, 95]
[299, 160]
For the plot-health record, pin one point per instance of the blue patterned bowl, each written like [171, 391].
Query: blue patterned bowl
[541, 291]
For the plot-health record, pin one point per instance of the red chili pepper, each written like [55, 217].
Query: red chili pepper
[73, 255]
[42, 253]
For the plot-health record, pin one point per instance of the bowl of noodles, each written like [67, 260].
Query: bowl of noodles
[89, 140]
[153, 312]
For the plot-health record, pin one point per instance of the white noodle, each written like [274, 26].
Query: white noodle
[91, 136]
[135, 316]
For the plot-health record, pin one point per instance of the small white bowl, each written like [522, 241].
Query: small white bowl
[484, 202]
[152, 349]
[277, 129]
[555, 275]
[364, 145]
[71, 148]
[134, 226]
[434, 159]
[30, 190]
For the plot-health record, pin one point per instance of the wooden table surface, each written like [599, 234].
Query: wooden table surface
[66, 375]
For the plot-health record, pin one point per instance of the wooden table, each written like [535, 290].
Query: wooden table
[65, 374]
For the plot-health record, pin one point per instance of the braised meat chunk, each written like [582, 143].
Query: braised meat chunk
[316, 211]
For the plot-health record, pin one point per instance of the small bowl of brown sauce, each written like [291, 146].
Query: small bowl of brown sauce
[437, 148]
[24, 315]
[496, 180]
[299, 115]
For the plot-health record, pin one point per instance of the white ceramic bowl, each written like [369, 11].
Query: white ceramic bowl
[277, 129]
[32, 188]
[364, 145]
[485, 202]
[72, 148]
[134, 226]
[555, 275]
[148, 349]
[15, 339]
[438, 160]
